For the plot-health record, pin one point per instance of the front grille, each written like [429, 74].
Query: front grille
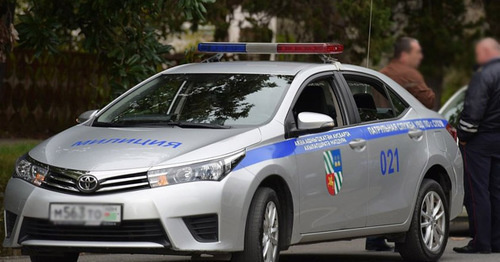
[66, 180]
[10, 221]
[126, 231]
[204, 228]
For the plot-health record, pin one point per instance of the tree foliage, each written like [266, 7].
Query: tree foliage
[344, 21]
[8, 34]
[492, 8]
[356, 26]
[125, 35]
[445, 35]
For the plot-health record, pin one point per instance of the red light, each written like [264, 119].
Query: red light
[452, 131]
[310, 48]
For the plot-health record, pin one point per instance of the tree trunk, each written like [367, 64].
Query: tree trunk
[436, 84]
[2, 73]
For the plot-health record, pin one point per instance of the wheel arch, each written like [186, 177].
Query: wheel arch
[280, 186]
[439, 174]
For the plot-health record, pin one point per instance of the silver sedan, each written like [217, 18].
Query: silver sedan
[242, 159]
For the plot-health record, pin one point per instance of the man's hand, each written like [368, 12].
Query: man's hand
[462, 143]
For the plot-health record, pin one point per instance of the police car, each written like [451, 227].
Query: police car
[242, 159]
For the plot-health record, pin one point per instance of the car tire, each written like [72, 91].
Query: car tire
[428, 235]
[66, 257]
[262, 229]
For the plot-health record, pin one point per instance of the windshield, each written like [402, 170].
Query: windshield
[199, 100]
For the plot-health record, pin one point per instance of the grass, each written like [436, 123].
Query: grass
[10, 150]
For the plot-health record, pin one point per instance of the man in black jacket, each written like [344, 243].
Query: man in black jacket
[479, 134]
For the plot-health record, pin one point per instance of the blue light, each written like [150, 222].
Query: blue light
[222, 48]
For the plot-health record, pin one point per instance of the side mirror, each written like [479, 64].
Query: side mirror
[86, 116]
[314, 121]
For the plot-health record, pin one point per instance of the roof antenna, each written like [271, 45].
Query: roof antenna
[369, 36]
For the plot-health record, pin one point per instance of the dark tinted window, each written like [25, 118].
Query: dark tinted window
[373, 100]
[318, 97]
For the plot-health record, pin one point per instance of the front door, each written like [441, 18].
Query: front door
[331, 166]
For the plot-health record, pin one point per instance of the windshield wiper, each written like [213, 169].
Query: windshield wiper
[104, 124]
[181, 124]
[197, 125]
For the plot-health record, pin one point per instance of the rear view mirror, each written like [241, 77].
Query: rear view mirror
[311, 121]
[86, 116]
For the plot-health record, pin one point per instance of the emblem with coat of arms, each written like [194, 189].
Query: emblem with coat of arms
[333, 169]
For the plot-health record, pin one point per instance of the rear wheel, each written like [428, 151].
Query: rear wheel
[66, 257]
[262, 229]
[428, 235]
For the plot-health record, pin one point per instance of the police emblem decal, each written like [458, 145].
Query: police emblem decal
[333, 169]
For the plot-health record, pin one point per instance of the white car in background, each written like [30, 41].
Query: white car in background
[453, 107]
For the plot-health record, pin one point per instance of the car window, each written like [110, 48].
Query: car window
[209, 99]
[399, 105]
[373, 100]
[318, 97]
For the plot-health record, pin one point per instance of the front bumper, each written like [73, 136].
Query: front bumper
[174, 208]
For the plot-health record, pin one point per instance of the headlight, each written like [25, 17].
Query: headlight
[213, 170]
[27, 170]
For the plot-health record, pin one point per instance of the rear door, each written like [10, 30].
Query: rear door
[397, 149]
[332, 165]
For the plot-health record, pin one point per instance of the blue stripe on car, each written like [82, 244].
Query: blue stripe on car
[327, 140]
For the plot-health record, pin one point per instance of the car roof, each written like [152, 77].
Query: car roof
[244, 67]
[257, 67]
[452, 99]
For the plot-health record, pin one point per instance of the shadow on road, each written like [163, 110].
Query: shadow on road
[368, 257]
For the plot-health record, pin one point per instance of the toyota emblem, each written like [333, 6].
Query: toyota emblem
[87, 183]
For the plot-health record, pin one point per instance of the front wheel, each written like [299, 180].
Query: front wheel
[262, 229]
[428, 235]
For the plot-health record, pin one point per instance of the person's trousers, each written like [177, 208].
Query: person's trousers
[482, 190]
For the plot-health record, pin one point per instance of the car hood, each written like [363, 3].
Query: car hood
[89, 148]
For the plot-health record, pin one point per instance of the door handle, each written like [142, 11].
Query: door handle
[358, 144]
[416, 133]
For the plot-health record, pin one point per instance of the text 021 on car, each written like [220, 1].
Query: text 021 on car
[242, 159]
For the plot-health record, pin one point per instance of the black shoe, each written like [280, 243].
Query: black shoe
[379, 247]
[470, 250]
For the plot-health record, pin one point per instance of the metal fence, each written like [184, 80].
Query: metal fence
[40, 97]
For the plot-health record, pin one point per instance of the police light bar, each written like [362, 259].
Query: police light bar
[271, 48]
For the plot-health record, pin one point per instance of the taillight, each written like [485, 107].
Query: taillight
[452, 131]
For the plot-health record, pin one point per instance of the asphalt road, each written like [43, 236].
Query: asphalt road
[343, 251]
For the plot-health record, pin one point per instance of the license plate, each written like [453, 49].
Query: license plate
[86, 214]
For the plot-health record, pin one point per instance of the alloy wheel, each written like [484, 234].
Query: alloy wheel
[270, 233]
[433, 221]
